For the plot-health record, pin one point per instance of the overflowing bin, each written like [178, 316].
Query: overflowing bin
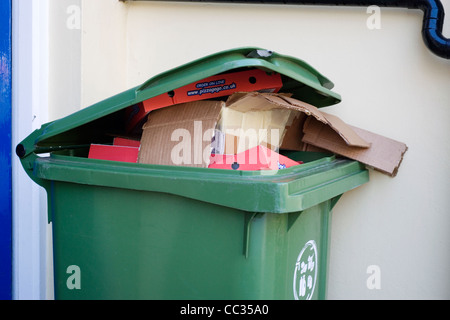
[124, 229]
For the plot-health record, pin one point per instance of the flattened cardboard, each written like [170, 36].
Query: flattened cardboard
[346, 132]
[384, 154]
[328, 132]
[181, 134]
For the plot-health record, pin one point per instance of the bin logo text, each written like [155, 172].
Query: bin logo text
[305, 274]
[211, 87]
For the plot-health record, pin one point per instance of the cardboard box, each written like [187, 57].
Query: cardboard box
[226, 84]
[182, 134]
[211, 87]
[234, 144]
[118, 141]
[114, 153]
[248, 128]
[187, 134]
[136, 115]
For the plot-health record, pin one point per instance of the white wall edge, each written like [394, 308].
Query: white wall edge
[29, 112]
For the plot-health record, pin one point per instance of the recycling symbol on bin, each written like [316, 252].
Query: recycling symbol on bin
[305, 274]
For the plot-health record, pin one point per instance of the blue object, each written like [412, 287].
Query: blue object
[5, 153]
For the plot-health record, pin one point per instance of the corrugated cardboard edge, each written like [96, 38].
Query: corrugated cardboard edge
[256, 101]
[384, 154]
[346, 132]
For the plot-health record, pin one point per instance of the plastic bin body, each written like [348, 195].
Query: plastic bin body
[135, 231]
[201, 240]
[145, 245]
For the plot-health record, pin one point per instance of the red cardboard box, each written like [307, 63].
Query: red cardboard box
[226, 84]
[126, 142]
[212, 87]
[257, 158]
[138, 112]
[114, 153]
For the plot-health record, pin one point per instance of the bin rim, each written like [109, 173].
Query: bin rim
[276, 191]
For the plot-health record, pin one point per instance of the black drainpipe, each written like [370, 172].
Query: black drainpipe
[432, 22]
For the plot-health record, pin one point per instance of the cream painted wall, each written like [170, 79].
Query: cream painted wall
[390, 82]
[104, 50]
[65, 57]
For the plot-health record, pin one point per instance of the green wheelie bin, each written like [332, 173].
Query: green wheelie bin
[142, 231]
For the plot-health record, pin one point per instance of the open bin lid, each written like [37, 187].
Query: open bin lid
[300, 79]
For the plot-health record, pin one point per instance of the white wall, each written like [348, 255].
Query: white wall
[29, 111]
[390, 82]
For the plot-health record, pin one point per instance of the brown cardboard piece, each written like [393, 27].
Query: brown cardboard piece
[181, 134]
[384, 154]
[313, 129]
